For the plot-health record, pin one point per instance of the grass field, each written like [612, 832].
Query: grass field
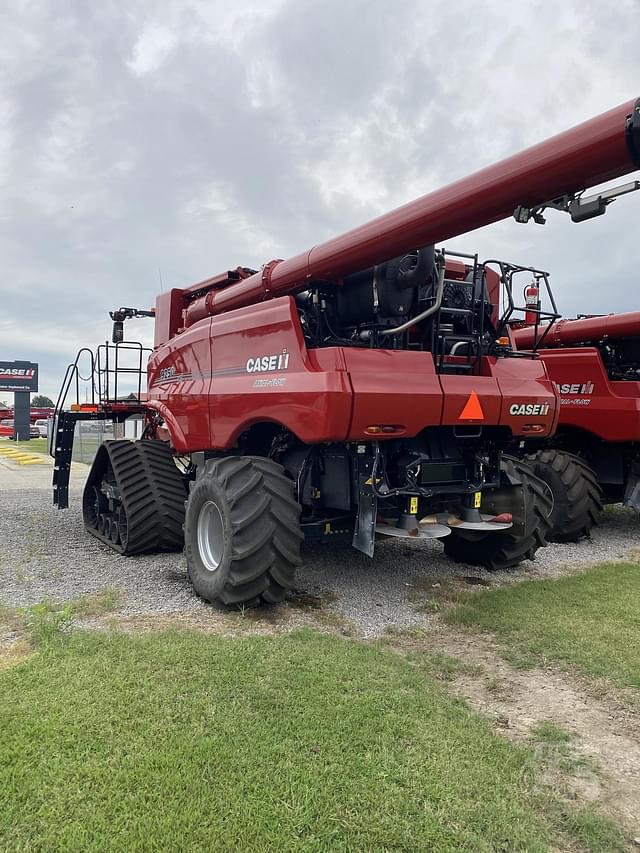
[37, 445]
[590, 621]
[301, 742]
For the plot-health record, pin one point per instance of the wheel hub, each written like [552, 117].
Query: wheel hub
[210, 535]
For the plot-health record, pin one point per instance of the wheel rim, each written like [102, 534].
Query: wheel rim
[114, 532]
[210, 533]
[122, 526]
[94, 506]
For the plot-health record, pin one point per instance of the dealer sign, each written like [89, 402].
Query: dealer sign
[18, 376]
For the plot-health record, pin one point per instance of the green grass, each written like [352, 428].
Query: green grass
[554, 745]
[9, 617]
[181, 741]
[37, 445]
[50, 620]
[546, 731]
[104, 601]
[590, 622]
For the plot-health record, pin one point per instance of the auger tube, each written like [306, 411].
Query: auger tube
[598, 150]
[580, 331]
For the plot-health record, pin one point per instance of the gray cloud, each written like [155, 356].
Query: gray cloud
[141, 141]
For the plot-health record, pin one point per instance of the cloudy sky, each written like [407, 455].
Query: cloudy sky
[149, 145]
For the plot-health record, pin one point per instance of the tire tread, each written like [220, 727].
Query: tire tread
[498, 551]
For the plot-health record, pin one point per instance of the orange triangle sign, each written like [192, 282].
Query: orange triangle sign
[472, 409]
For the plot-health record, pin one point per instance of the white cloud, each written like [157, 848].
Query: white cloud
[153, 46]
[193, 136]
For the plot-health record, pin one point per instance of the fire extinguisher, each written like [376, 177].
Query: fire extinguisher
[532, 304]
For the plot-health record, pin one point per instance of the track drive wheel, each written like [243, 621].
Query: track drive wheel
[133, 500]
[242, 531]
[496, 551]
[577, 497]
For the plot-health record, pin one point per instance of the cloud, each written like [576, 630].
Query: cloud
[144, 143]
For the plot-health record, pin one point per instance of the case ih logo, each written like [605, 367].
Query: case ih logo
[264, 363]
[18, 376]
[575, 388]
[25, 373]
[529, 409]
[575, 393]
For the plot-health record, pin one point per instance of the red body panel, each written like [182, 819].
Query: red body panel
[168, 318]
[313, 403]
[179, 385]
[262, 372]
[456, 395]
[525, 380]
[589, 401]
[395, 388]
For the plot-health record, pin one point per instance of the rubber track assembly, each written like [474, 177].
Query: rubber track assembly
[134, 497]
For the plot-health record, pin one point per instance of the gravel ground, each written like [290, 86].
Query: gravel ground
[45, 553]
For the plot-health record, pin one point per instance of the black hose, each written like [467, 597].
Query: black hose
[422, 271]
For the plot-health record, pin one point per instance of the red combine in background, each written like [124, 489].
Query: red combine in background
[594, 456]
[35, 414]
[365, 387]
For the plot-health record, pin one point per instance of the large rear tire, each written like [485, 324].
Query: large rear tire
[496, 551]
[242, 531]
[577, 497]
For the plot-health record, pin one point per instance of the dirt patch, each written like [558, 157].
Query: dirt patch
[633, 555]
[301, 610]
[603, 763]
[14, 649]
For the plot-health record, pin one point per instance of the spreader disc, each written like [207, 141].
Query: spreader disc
[425, 531]
[486, 525]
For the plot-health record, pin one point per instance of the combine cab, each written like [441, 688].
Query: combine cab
[365, 388]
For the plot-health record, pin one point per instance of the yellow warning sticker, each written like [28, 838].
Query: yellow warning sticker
[477, 498]
[413, 506]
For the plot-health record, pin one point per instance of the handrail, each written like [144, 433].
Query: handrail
[110, 370]
[106, 368]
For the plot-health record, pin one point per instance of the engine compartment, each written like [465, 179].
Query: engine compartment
[426, 300]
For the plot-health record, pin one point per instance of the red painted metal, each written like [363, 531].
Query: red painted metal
[217, 281]
[35, 414]
[201, 375]
[591, 153]
[584, 330]
[168, 319]
[200, 383]
[590, 402]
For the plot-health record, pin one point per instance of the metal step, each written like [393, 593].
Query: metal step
[62, 450]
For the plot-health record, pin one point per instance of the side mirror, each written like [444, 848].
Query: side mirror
[118, 331]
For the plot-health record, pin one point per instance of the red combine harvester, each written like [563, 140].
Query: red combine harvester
[35, 414]
[594, 456]
[365, 387]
